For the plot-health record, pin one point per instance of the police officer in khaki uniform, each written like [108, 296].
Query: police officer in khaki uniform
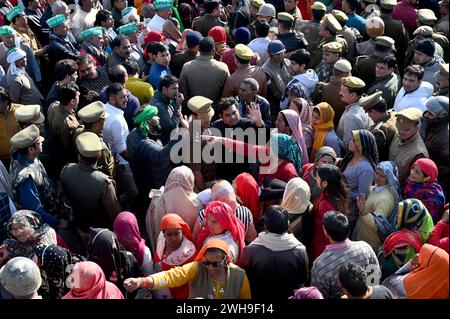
[328, 32]
[202, 110]
[331, 54]
[351, 35]
[365, 65]
[426, 17]
[291, 39]
[374, 28]
[384, 128]
[311, 28]
[441, 78]
[395, 30]
[407, 145]
[93, 117]
[330, 92]
[91, 192]
[63, 122]
[354, 117]
[30, 114]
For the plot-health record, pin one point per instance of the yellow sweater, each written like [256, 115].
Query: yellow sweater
[140, 89]
[179, 276]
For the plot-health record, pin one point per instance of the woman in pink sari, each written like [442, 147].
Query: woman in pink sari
[304, 110]
[178, 197]
[127, 231]
[88, 282]
[289, 122]
[222, 223]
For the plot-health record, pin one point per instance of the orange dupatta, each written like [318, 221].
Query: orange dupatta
[430, 279]
[320, 131]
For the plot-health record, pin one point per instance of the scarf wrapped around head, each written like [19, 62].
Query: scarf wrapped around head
[13, 55]
[397, 246]
[287, 148]
[218, 33]
[171, 31]
[307, 293]
[247, 189]
[326, 124]
[181, 45]
[428, 167]
[226, 217]
[429, 280]
[366, 144]
[411, 214]
[31, 220]
[390, 171]
[127, 231]
[296, 197]
[141, 119]
[176, 222]
[215, 243]
[296, 126]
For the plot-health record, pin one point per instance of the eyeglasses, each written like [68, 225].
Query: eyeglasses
[215, 264]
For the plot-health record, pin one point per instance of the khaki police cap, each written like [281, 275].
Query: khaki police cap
[388, 4]
[88, 144]
[339, 15]
[408, 115]
[385, 41]
[426, 16]
[92, 112]
[26, 137]
[442, 73]
[353, 82]
[343, 66]
[367, 102]
[334, 47]
[317, 5]
[257, 3]
[201, 106]
[29, 114]
[331, 23]
[284, 16]
[373, 9]
[243, 52]
[424, 31]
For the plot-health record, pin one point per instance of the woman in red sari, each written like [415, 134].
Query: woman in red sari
[174, 248]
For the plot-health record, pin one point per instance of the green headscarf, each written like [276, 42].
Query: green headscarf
[141, 119]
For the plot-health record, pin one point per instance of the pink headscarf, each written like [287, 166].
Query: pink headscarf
[225, 216]
[127, 231]
[295, 124]
[183, 40]
[89, 283]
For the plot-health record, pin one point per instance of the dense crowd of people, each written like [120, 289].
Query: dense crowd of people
[234, 149]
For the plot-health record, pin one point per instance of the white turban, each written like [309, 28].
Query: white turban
[12, 58]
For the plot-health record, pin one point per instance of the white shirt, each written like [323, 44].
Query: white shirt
[260, 45]
[156, 23]
[417, 98]
[115, 132]
[81, 21]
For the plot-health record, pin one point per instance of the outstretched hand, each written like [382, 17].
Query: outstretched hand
[131, 284]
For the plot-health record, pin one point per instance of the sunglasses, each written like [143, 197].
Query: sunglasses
[215, 264]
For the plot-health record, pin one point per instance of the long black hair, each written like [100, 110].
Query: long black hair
[336, 186]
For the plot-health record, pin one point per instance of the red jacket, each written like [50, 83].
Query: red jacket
[439, 236]
[322, 204]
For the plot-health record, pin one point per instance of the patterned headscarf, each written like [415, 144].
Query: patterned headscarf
[390, 171]
[141, 119]
[287, 148]
[29, 219]
[296, 126]
[321, 130]
[411, 214]
[127, 231]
